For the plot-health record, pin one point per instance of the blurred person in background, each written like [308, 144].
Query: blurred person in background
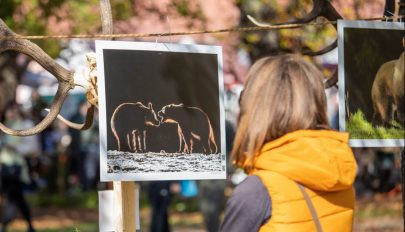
[377, 172]
[77, 152]
[91, 161]
[13, 167]
[301, 173]
[160, 196]
[212, 202]
[38, 114]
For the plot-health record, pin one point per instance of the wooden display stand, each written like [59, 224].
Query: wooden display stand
[124, 192]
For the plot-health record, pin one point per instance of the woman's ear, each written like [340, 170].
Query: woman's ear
[150, 105]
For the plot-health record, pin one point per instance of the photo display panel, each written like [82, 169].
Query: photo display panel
[371, 82]
[161, 111]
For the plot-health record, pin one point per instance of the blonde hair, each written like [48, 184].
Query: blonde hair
[282, 94]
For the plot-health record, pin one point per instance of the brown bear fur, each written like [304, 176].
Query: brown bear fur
[387, 92]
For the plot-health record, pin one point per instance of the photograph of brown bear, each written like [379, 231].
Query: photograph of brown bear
[192, 131]
[131, 134]
[163, 111]
[388, 93]
[374, 82]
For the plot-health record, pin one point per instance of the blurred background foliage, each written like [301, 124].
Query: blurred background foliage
[261, 43]
[43, 17]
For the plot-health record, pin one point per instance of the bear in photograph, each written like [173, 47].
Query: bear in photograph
[131, 134]
[163, 111]
[388, 93]
[190, 131]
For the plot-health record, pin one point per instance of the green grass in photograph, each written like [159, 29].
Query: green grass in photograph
[360, 128]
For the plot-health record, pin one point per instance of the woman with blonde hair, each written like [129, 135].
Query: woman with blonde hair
[301, 173]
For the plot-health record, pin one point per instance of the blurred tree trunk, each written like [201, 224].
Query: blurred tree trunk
[12, 67]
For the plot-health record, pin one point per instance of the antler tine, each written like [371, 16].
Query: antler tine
[324, 50]
[80, 126]
[60, 95]
[257, 23]
[64, 77]
[325, 9]
[331, 81]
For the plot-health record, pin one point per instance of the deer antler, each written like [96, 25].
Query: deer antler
[332, 81]
[321, 8]
[64, 77]
[82, 126]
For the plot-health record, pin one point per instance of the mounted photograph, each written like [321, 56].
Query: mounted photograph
[371, 82]
[161, 111]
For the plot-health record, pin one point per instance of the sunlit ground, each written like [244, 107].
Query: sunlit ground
[382, 212]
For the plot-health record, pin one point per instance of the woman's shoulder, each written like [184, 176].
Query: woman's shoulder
[249, 207]
[251, 186]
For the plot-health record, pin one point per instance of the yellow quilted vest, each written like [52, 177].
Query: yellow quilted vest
[290, 211]
[324, 164]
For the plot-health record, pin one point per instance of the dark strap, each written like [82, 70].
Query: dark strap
[311, 208]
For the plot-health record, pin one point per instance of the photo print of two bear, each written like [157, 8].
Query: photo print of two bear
[161, 111]
[131, 133]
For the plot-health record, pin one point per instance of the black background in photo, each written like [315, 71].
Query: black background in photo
[162, 78]
[365, 50]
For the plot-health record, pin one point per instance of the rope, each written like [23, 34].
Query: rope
[236, 29]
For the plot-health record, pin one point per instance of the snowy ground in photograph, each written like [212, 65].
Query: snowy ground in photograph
[126, 162]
